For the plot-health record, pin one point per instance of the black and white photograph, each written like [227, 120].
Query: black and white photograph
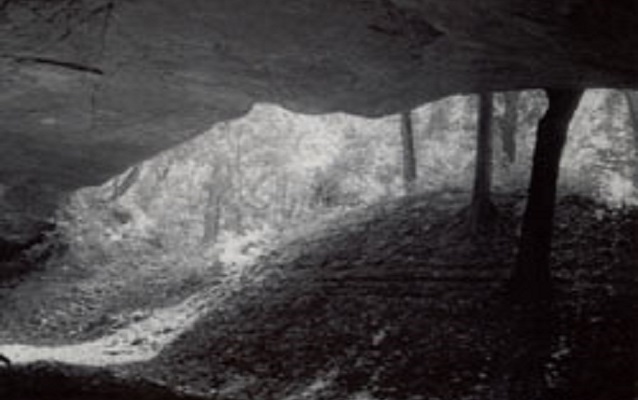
[319, 200]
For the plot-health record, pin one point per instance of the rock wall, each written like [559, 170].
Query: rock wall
[90, 87]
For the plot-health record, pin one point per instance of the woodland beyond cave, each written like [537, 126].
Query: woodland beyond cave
[290, 256]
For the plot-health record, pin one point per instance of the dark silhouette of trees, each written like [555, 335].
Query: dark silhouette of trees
[409, 154]
[531, 276]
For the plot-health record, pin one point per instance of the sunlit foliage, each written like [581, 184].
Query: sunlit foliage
[272, 169]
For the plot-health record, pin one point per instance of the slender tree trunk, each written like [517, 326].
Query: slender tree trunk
[509, 124]
[284, 210]
[409, 154]
[239, 186]
[632, 105]
[531, 276]
[124, 183]
[482, 208]
[212, 219]
[213, 211]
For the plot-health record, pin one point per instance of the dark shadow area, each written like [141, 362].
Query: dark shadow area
[398, 302]
[51, 381]
[393, 306]
[19, 258]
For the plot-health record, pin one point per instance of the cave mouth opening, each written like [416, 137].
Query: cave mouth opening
[190, 228]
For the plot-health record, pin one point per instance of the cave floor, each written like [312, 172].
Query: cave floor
[398, 302]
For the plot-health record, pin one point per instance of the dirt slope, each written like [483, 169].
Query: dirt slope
[399, 303]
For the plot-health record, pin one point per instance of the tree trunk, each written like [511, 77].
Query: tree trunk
[632, 106]
[509, 124]
[124, 183]
[212, 219]
[213, 211]
[239, 161]
[482, 208]
[531, 277]
[285, 212]
[409, 155]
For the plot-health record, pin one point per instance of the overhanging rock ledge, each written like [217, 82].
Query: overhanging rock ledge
[90, 87]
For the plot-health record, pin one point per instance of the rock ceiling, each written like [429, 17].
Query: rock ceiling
[90, 87]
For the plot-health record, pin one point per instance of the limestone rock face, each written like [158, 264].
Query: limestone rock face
[90, 87]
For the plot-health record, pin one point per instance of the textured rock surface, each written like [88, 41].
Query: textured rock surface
[89, 87]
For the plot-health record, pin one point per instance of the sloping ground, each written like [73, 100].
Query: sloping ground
[66, 303]
[385, 308]
[141, 339]
[397, 302]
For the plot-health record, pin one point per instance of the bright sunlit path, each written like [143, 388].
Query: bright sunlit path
[140, 341]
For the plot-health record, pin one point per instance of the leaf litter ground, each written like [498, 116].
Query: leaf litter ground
[398, 302]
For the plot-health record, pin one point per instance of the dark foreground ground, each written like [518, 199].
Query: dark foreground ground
[398, 302]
